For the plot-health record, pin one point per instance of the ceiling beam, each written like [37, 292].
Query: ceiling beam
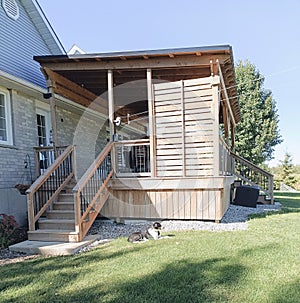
[68, 89]
[164, 62]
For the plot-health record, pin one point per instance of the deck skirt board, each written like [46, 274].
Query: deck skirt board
[182, 198]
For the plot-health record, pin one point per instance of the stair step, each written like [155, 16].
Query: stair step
[66, 197]
[63, 205]
[262, 199]
[57, 224]
[60, 214]
[52, 235]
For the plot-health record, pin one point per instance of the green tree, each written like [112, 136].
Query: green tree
[258, 132]
[287, 171]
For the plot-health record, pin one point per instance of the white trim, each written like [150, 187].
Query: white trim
[46, 114]
[7, 107]
[42, 105]
[76, 50]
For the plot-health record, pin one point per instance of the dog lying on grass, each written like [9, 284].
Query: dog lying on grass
[152, 232]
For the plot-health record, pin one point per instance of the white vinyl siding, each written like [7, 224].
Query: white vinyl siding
[5, 119]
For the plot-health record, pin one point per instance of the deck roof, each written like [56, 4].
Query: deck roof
[90, 70]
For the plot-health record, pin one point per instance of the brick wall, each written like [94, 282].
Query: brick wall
[24, 138]
[87, 132]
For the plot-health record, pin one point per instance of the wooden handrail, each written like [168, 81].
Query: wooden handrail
[224, 143]
[90, 193]
[133, 142]
[251, 165]
[93, 167]
[42, 178]
[134, 159]
[38, 203]
[254, 175]
[225, 167]
[47, 154]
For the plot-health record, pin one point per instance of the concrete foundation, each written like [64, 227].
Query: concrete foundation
[15, 204]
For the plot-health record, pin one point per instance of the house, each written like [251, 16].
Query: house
[24, 32]
[164, 148]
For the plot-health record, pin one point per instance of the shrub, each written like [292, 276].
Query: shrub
[8, 228]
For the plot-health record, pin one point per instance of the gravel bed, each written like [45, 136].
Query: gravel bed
[234, 219]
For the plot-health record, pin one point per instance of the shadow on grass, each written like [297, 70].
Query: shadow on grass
[182, 281]
[289, 293]
[66, 279]
[45, 276]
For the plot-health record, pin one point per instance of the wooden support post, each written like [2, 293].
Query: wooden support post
[51, 85]
[223, 87]
[225, 120]
[151, 123]
[111, 110]
[77, 211]
[215, 108]
[232, 136]
[111, 115]
[183, 130]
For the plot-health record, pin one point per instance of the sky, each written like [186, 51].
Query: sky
[265, 32]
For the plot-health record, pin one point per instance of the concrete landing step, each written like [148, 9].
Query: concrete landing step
[53, 235]
[54, 248]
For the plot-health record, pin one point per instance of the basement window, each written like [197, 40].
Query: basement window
[11, 9]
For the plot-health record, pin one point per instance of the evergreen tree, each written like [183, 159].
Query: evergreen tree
[258, 133]
[287, 171]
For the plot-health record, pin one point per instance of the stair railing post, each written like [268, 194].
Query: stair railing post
[271, 187]
[77, 213]
[30, 207]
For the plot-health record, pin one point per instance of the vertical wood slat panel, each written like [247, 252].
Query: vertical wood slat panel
[205, 205]
[199, 202]
[193, 204]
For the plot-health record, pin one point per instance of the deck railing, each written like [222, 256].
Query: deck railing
[45, 156]
[91, 191]
[253, 175]
[132, 158]
[225, 160]
[45, 189]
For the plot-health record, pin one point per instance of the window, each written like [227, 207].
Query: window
[5, 119]
[42, 131]
[43, 127]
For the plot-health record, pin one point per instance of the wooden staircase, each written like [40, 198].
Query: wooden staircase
[58, 222]
[61, 209]
[248, 173]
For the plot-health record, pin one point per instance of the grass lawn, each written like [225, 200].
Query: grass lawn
[261, 264]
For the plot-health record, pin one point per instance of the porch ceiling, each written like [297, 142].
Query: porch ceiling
[89, 71]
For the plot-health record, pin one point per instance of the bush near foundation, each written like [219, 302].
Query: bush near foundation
[8, 230]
